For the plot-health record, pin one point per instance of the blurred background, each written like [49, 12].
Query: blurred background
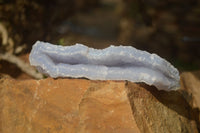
[169, 28]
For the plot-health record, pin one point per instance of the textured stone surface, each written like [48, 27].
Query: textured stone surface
[65, 105]
[191, 83]
[159, 111]
[85, 106]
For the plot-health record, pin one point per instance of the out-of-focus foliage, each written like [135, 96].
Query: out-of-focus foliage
[31, 20]
[169, 28]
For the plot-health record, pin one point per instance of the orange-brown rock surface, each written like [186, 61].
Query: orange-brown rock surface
[86, 106]
[191, 83]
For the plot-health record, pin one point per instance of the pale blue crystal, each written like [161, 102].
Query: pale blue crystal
[112, 63]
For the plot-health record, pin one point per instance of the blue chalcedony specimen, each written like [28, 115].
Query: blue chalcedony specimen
[112, 63]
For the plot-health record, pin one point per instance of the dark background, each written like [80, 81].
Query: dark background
[168, 28]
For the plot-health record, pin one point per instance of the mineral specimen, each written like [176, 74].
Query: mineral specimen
[112, 63]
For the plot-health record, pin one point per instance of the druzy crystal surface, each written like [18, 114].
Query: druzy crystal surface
[112, 63]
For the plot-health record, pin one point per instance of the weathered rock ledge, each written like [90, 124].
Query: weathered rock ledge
[85, 106]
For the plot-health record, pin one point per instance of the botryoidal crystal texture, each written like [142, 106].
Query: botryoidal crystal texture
[112, 63]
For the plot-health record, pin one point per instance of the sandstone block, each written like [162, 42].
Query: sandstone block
[86, 106]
